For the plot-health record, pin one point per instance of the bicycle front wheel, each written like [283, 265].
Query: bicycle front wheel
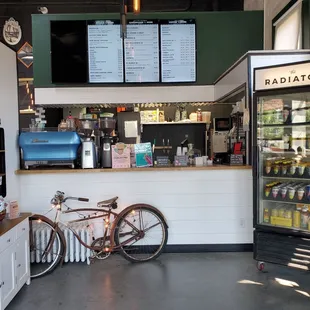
[141, 233]
[46, 247]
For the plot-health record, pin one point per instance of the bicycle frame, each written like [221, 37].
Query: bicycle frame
[121, 230]
[104, 214]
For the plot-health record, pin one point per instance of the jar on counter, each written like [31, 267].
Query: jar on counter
[192, 153]
[177, 115]
[183, 114]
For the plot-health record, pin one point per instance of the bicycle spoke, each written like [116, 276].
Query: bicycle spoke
[147, 229]
[148, 241]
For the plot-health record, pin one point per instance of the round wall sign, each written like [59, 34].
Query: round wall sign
[12, 32]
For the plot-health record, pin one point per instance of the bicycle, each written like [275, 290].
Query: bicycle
[126, 232]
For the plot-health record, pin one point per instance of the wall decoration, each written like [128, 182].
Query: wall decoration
[25, 55]
[12, 32]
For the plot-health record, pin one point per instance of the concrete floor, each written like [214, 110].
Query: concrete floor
[175, 281]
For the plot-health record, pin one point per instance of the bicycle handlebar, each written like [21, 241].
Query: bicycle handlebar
[59, 198]
[76, 198]
[83, 199]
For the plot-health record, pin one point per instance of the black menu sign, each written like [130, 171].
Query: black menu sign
[178, 51]
[105, 52]
[142, 52]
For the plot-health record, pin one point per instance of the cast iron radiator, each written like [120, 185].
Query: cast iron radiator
[75, 252]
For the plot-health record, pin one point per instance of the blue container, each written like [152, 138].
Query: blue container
[51, 146]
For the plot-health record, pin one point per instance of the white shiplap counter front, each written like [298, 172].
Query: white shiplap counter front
[202, 206]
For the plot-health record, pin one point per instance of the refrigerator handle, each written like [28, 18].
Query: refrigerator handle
[255, 160]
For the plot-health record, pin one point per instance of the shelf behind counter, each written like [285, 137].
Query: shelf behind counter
[149, 169]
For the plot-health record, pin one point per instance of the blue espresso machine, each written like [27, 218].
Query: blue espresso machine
[49, 148]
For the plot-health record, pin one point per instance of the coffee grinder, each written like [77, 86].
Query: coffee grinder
[88, 150]
[106, 125]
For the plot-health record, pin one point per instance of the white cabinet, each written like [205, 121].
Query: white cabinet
[14, 258]
[8, 281]
[22, 260]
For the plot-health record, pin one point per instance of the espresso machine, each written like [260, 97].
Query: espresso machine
[106, 125]
[88, 149]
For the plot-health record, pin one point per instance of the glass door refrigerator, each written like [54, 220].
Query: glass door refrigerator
[281, 165]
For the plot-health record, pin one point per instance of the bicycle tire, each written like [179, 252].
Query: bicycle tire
[56, 235]
[150, 209]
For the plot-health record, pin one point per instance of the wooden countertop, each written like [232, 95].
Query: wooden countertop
[150, 169]
[7, 224]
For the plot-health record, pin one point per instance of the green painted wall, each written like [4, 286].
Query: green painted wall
[222, 37]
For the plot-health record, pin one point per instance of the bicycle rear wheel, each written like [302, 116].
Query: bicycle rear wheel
[46, 247]
[141, 233]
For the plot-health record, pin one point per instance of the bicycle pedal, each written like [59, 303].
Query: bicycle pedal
[92, 258]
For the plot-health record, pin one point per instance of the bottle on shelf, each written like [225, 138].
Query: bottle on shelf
[177, 115]
[199, 115]
[297, 217]
[266, 216]
[304, 218]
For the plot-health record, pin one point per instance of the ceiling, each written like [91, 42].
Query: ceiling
[113, 5]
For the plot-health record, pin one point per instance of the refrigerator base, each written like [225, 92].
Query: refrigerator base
[280, 249]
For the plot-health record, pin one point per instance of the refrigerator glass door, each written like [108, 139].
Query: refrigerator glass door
[283, 160]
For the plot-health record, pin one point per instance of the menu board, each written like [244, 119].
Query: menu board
[142, 52]
[178, 51]
[105, 52]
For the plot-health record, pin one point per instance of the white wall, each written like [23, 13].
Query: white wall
[122, 95]
[201, 207]
[232, 80]
[271, 9]
[9, 117]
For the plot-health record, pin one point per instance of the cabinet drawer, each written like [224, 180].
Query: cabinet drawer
[7, 239]
[22, 228]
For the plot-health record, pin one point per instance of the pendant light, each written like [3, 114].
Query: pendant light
[123, 19]
[136, 6]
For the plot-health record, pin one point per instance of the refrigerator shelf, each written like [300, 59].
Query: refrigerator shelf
[287, 178]
[294, 201]
[305, 124]
[291, 229]
[284, 152]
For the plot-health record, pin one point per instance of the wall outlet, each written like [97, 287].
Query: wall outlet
[242, 223]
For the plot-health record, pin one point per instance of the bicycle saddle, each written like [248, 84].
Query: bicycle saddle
[106, 203]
